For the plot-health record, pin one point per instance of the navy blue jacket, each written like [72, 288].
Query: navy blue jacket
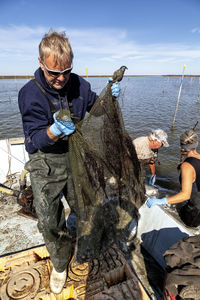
[36, 112]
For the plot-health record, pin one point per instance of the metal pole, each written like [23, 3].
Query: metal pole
[179, 94]
[87, 73]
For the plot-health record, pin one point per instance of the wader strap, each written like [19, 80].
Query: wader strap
[52, 107]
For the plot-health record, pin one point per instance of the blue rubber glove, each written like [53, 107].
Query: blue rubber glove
[55, 129]
[115, 88]
[152, 180]
[59, 127]
[155, 201]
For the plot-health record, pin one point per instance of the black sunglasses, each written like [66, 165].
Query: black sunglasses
[57, 73]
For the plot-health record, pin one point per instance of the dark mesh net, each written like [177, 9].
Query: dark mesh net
[107, 178]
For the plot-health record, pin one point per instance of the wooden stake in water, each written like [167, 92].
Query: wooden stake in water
[87, 73]
[16, 83]
[195, 126]
[179, 94]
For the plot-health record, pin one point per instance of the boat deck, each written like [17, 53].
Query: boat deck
[25, 275]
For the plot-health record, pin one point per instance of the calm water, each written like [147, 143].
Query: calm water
[146, 102]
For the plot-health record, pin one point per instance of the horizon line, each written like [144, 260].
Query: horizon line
[143, 75]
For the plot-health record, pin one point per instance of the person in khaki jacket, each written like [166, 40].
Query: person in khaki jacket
[147, 149]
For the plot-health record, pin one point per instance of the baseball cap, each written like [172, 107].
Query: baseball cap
[160, 135]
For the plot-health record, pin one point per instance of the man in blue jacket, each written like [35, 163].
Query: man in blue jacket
[54, 89]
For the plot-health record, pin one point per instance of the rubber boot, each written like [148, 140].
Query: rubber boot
[57, 281]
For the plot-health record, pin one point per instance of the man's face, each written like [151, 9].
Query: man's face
[57, 81]
[155, 144]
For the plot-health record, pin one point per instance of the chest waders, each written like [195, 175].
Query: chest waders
[50, 174]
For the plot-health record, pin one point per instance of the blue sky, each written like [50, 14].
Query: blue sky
[148, 36]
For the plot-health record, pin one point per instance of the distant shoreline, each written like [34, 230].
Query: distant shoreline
[30, 76]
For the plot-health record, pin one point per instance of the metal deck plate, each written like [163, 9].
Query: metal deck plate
[25, 276]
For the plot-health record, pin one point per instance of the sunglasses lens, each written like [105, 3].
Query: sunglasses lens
[67, 71]
[57, 73]
[53, 73]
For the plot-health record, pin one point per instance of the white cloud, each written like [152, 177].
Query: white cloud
[92, 47]
[196, 29]
[19, 42]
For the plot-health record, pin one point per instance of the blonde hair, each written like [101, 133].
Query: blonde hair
[57, 44]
